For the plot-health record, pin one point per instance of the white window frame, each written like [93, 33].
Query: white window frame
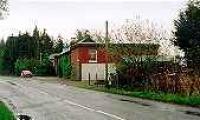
[93, 61]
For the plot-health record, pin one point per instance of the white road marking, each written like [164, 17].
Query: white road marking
[93, 110]
[111, 115]
[84, 107]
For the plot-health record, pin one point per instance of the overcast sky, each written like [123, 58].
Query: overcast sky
[65, 16]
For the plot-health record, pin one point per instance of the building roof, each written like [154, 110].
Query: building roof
[135, 47]
[86, 40]
[65, 50]
[52, 56]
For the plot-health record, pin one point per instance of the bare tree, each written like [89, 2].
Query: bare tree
[136, 31]
[144, 32]
[3, 8]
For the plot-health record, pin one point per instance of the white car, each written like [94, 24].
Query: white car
[26, 73]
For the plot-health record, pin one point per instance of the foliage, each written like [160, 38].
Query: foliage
[59, 45]
[2, 54]
[152, 74]
[133, 71]
[5, 113]
[120, 51]
[137, 31]
[44, 67]
[24, 64]
[6, 67]
[26, 46]
[80, 35]
[46, 43]
[36, 43]
[193, 58]
[187, 31]
[64, 67]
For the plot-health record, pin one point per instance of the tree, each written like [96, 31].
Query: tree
[3, 8]
[2, 43]
[187, 32]
[2, 54]
[17, 47]
[144, 34]
[64, 67]
[46, 43]
[36, 40]
[80, 35]
[59, 45]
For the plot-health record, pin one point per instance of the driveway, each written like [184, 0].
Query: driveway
[45, 100]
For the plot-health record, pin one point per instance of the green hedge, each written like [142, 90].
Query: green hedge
[44, 67]
[41, 68]
[64, 67]
[24, 64]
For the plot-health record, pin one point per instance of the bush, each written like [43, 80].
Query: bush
[135, 72]
[165, 76]
[44, 67]
[64, 67]
[24, 64]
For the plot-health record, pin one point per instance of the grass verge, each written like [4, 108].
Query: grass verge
[5, 113]
[193, 100]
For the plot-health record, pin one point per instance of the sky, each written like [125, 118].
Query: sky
[64, 17]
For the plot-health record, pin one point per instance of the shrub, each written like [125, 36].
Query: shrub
[44, 67]
[135, 72]
[24, 64]
[64, 67]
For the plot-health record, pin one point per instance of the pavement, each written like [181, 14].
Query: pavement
[45, 99]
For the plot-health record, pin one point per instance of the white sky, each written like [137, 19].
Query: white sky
[65, 16]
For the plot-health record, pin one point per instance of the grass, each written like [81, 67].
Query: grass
[5, 113]
[193, 100]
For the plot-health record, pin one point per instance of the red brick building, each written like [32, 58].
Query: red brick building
[88, 58]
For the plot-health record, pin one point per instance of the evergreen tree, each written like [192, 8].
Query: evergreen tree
[80, 35]
[187, 33]
[2, 44]
[46, 43]
[36, 40]
[2, 54]
[59, 45]
[25, 46]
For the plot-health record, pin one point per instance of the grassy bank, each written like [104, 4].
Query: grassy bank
[5, 113]
[151, 95]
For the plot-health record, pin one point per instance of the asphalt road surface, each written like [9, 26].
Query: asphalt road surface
[45, 100]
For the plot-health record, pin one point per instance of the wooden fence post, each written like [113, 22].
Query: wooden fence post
[89, 78]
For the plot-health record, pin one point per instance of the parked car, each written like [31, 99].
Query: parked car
[26, 73]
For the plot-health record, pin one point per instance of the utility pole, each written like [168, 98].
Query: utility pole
[12, 53]
[106, 48]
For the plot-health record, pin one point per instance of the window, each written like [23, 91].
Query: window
[92, 55]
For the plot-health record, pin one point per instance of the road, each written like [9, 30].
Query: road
[45, 100]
